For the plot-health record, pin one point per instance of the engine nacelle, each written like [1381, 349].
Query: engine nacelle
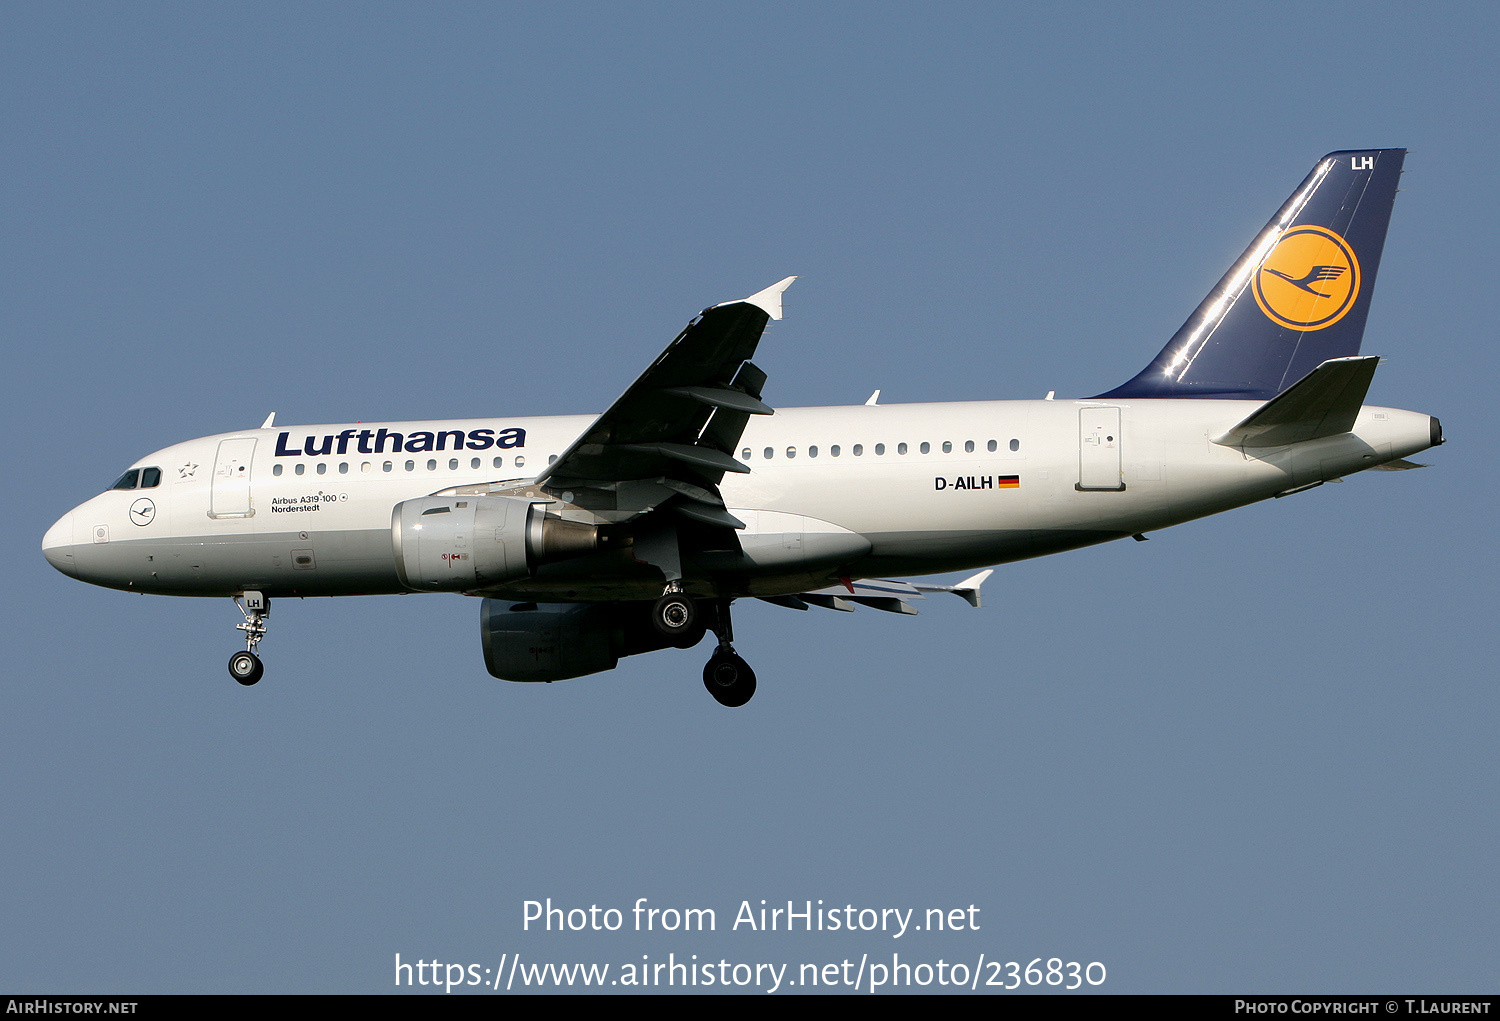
[555, 641]
[460, 543]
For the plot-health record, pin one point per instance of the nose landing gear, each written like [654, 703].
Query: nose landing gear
[246, 666]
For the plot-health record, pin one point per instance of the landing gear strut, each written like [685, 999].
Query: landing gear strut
[727, 677]
[246, 666]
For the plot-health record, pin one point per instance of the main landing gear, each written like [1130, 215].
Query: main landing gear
[246, 666]
[727, 677]
[678, 618]
[675, 617]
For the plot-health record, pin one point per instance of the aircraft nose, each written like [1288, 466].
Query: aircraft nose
[57, 545]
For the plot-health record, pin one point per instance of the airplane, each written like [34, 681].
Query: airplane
[592, 538]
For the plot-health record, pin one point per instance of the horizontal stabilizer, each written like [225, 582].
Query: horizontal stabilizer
[1324, 403]
[1398, 465]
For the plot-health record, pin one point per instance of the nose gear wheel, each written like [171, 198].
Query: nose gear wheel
[246, 667]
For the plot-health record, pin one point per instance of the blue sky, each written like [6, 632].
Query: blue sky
[1254, 754]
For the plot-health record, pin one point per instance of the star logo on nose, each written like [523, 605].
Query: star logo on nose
[187, 470]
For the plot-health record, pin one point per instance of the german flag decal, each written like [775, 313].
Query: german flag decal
[1009, 482]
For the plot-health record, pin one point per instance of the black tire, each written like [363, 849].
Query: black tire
[246, 667]
[691, 637]
[729, 680]
[675, 617]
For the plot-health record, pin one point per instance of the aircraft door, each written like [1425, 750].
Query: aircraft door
[230, 495]
[1099, 449]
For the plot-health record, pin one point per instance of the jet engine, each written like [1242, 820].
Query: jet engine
[555, 641]
[460, 543]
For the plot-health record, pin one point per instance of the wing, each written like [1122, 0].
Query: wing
[880, 594]
[667, 441]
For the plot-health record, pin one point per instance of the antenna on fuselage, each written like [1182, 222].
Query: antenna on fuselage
[270, 421]
[874, 400]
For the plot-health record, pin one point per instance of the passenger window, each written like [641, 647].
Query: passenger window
[150, 478]
[926, 447]
[833, 451]
[901, 448]
[550, 458]
[521, 461]
[365, 467]
[128, 480]
[499, 462]
[1015, 444]
[453, 464]
[432, 464]
[300, 468]
[343, 467]
[968, 446]
[745, 454]
[812, 451]
[859, 448]
[791, 452]
[276, 469]
[411, 466]
[322, 468]
[386, 467]
[474, 463]
[947, 447]
[879, 449]
[992, 446]
[769, 453]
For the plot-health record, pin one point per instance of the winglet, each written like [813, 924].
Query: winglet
[769, 300]
[969, 587]
[967, 590]
[270, 421]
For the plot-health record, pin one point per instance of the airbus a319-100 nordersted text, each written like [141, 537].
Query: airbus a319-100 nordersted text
[592, 538]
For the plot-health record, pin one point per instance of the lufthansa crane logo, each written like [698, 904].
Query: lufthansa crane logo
[1309, 281]
[142, 511]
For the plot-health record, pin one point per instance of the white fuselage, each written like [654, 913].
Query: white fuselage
[929, 487]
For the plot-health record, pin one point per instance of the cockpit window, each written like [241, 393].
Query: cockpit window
[139, 478]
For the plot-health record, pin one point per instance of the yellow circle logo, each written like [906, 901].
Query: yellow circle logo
[1309, 280]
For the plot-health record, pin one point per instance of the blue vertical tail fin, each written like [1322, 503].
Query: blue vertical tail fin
[1297, 297]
